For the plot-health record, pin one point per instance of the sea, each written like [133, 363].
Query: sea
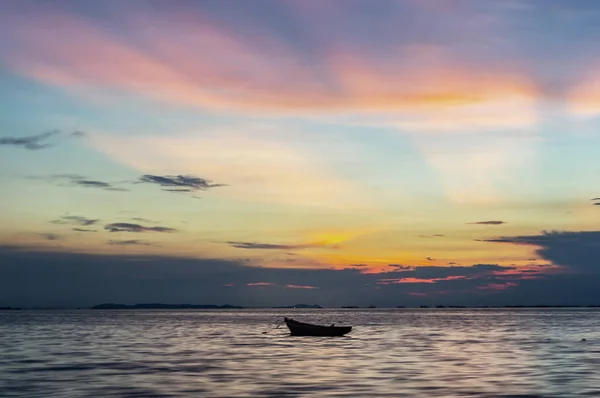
[242, 353]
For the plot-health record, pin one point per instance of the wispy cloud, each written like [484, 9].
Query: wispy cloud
[32, 142]
[50, 236]
[493, 222]
[130, 242]
[141, 219]
[300, 287]
[83, 230]
[129, 227]
[399, 267]
[35, 142]
[77, 220]
[180, 183]
[79, 181]
[426, 77]
[270, 246]
[387, 281]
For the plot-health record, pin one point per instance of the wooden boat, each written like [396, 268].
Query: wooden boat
[307, 329]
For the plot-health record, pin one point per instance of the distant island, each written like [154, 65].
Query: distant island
[161, 306]
[301, 306]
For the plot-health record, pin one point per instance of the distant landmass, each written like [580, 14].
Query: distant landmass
[301, 306]
[161, 306]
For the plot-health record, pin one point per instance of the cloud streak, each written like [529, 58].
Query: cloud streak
[130, 227]
[76, 180]
[83, 230]
[270, 246]
[36, 142]
[76, 220]
[180, 183]
[130, 242]
[50, 236]
[32, 142]
[350, 79]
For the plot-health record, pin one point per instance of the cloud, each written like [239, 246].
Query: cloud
[141, 219]
[488, 222]
[425, 83]
[83, 230]
[35, 142]
[575, 250]
[80, 181]
[270, 246]
[31, 142]
[180, 183]
[399, 267]
[77, 220]
[50, 236]
[129, 227]
[387, 281]
[300, 287]
[131, 242]
[30, 276]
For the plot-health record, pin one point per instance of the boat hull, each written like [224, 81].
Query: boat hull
[307, 329]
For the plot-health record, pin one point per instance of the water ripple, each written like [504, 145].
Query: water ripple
[391, 353]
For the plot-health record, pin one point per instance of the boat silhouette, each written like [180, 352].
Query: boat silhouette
[308, 329]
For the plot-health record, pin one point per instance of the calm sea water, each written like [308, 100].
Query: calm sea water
[391, 353]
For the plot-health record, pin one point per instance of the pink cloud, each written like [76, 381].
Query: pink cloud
[256, 73]
[498, 286]
[259, 284]
[389, 281]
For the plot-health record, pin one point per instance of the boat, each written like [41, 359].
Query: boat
[308, 329]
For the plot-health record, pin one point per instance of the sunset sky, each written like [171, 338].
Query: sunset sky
[272, 152]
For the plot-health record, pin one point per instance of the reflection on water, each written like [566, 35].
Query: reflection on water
[393, 353]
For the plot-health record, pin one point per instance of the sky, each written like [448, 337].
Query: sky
[274, 152]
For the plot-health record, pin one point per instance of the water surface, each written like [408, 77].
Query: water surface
[224, 353]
